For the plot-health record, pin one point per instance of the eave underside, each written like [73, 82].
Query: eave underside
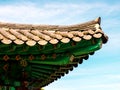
[43, 68]
[36, 55]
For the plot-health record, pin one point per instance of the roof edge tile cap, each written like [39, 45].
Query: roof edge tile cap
[44, 27]
[105, 38]
[98, 20]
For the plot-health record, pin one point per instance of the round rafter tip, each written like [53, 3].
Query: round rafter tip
[76, 39]
[6, 41]
[98, 35]
[80, 61]
[53, 41]
[30, 43]
[18, 41]
[104, 39]
[65, 40]
[87, 37]
[86, 57]
[42, 42]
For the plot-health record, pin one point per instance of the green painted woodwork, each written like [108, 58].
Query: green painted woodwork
[43, 64]
[88, 49]
[45, 67]
[61, 60]
[5, 88]
[48, 49]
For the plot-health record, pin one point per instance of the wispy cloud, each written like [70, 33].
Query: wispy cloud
[114, 86]
[26, 13]
[85, 77]
[101, 77]
[113, 76]
[60, 13]
[93, 82]
[89, 84]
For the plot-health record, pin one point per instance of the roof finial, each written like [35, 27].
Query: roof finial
[98, 20]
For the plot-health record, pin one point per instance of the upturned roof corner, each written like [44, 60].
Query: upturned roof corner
[37, 55]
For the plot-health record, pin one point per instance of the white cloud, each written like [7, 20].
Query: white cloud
[54, 13]
[115, 86]
[23, 13]
[87, 84]
[68, 14]
[113, 76]
[101, 78]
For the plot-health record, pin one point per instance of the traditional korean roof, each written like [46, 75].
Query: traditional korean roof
[41, 54]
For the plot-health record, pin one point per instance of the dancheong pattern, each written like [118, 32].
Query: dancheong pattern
[33, 56]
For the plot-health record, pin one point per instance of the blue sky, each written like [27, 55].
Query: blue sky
[102, 70]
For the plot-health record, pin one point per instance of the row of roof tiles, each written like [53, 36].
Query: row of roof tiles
[42, 35]
[31, 37]
[50, 27]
